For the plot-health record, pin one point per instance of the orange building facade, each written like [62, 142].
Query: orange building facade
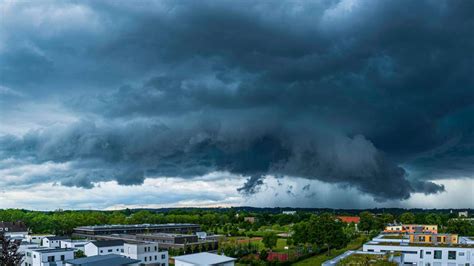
[411, 228]
[425, 238]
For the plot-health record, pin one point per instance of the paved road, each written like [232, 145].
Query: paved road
[335, 260]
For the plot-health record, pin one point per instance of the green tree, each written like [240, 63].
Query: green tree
[9, 255]
[433, 218]
[79, 254]
[461, 227]
[263, 255]
[407, 218]
[328, 232]
[300, 233]
[270, 240]
[367, 221]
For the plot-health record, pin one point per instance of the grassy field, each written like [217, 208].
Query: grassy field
[319, 259]
[280, 247]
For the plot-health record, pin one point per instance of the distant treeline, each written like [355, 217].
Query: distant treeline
[226, 220]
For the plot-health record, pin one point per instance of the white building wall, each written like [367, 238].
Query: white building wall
[111, 250]
[78, 245]
[424, 255]
[41, 259]
[36, 238]
[146, 253]
[51, 243]
[91, 250]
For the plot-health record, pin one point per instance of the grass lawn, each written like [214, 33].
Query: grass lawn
[319, 259]
[280, 247]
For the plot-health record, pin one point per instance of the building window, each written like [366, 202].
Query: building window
[110, 250]
[409, 252]
[156, 248]
[451, 255]
[461, 254]
[163, 256]
[101, 251]
[156, 257]
[421, 254]
[62, 257]
[145, 258]
[50, 258]
[428, 252]
[437, 254]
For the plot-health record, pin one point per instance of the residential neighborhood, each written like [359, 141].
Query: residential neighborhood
[301, 237]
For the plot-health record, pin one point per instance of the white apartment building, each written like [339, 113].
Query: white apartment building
[36, 238]
[426, 255]
[104, 247]
[26, 245]
[203, 258]
[147, 253]
[74, 244]
[47, 256]
[53, 241]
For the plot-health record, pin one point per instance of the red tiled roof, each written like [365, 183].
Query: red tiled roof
[349, 219]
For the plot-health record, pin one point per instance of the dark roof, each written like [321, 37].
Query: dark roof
[105, 260]
[57, 237]
[13, 226]
[108, 243]
[134, 226]
[52, 250]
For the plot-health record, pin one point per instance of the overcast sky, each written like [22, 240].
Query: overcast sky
[331, 103]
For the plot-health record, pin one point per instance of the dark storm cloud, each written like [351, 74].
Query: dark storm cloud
[340, 91]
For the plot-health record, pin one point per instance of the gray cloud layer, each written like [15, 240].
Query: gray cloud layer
[340, 91]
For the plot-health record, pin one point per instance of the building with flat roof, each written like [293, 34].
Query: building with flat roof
[75, 244]
[415, 252]
[106, 260]
[411, 228]
[92, 231]
[250, 219]
[429, 238]
[44, 256]
[187, 243]
[204, 259]
[37, 238]
[146, 253]
[54, 241]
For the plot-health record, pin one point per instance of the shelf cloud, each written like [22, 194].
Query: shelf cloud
[361, 94]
